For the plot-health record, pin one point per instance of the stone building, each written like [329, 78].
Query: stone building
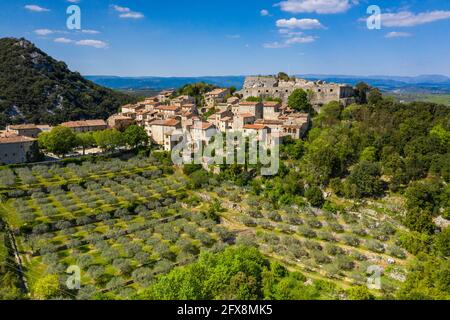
[119, 122]
[216, 96]
[17, 149]
[319, 92]
[27, 130]
[86, 125]
[254, 108]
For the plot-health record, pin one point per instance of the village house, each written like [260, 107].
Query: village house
[86, 125]
[242, 119]
[274, 125]
[173, 138]
[189, 107]
[17, 149]
[216, 117]
[158, 128]
[254, 108]
[296, 125]
[119, 122]
[27, 130]
[132, 109]
[168, 111]
[164, 96]
[271, 110]
[216, 96]
[182, 100]
[233, 100]
[256, 130]
[202, 131]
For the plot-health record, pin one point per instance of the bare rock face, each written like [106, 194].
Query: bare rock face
[441, 222]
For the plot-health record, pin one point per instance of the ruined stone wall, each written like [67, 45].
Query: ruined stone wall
[320, 92]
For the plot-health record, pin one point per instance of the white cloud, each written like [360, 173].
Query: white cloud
[304, 24]
[409, 19]
[317, 6]
[275, 45]
[87, 42]
[293, 39]
[36, 8]
[289, 33]
[132, 15]
[396, 34]
[302, 39]
[233, 36]
[127, 13]
[88, 31]
[120, 9]
[264, 13]
[43, 32]
[92, 43]
[63, 40]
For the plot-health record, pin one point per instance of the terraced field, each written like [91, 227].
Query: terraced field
[124, 222]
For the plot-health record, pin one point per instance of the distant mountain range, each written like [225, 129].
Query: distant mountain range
[419, 84]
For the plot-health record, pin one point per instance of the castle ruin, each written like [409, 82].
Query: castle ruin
[319, 92]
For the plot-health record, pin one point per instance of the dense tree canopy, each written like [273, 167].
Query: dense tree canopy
[60, 140]
[299, 101]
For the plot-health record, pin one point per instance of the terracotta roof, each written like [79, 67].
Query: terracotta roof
[268, 122]
[248, 103]
[246, 115]
[271, 104]
[15, 139]
[167, 108]
[166, 123]
[202, 125]
[84, 123]
[256, 126]
[120, 117]
[22, 126]
[216, 91]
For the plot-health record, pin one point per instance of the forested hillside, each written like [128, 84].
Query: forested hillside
[36, 88]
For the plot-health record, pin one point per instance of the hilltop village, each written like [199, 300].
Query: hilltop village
[260, 106]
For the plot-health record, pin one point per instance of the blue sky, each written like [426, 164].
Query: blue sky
[237, 37]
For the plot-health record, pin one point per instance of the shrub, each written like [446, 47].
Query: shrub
[345, 263]
[321, 258]
[314, 223]
[312, 245]
[396, 252]
[334, 250]
[274, 216]
[294, 219]
[336, 227]
[315, 197]
[306, 232]
[326, 236]
[351, 240]
[375, 246]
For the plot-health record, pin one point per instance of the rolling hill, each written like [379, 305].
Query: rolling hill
[36, 88]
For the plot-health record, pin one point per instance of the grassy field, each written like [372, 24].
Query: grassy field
[434, 98]
[125, 222]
